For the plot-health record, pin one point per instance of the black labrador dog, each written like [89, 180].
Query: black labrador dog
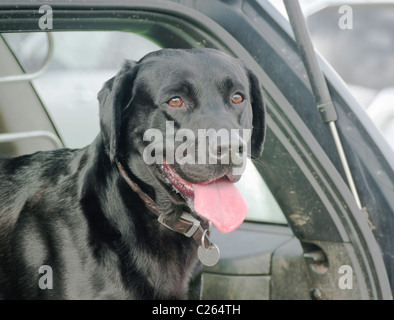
[107, 221]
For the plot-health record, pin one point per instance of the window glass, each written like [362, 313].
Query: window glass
[262, 205]
[81, 63]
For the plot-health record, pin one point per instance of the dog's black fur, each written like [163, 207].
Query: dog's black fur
[73, 211]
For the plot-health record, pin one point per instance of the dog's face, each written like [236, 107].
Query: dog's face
[184, 117]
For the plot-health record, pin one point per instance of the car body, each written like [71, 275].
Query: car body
[325, 236]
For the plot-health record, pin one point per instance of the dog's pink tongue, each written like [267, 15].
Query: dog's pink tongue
[220, 203]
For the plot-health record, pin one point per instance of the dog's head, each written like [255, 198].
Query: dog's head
[183, 119]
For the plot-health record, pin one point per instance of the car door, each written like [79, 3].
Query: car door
[304, 237]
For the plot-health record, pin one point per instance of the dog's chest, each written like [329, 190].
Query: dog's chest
[167, 275]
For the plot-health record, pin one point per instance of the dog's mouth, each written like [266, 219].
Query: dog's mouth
[185, 187]
[217, 200]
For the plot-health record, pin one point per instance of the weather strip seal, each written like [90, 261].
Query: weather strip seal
[33, 75]
[319, 86]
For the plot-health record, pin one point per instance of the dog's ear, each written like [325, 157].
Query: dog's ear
[258, 109]
[113, 98]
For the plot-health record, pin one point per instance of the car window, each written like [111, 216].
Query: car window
[82, 62]
[262, 205]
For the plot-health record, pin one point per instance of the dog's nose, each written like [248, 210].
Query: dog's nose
[229, 152]
[223, 150]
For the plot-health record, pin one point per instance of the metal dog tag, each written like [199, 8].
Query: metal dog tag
[209, 256]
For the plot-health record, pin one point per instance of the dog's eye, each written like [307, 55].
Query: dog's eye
[175, 102]
[237, 98]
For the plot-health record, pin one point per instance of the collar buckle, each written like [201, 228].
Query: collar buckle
[186, 224]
